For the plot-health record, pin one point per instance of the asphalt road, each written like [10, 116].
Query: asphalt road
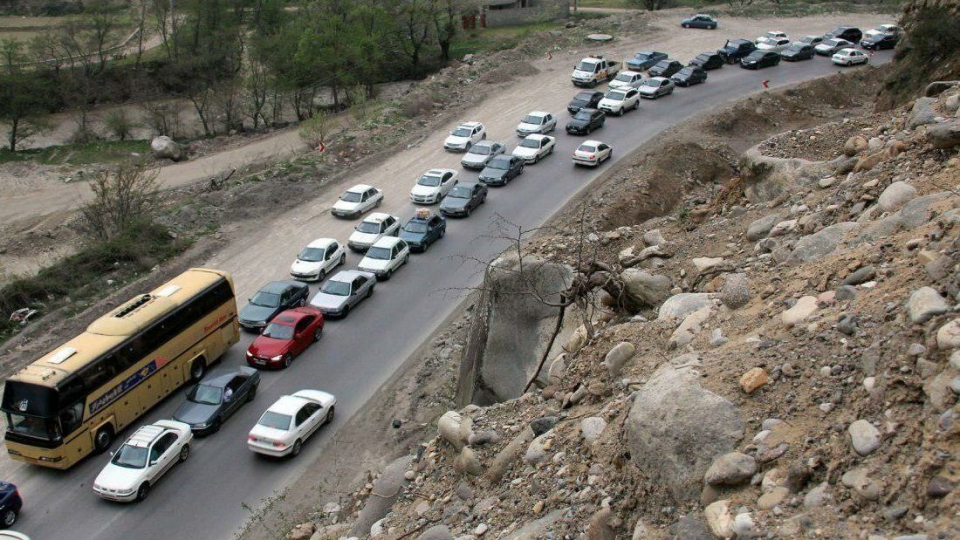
[208, 496]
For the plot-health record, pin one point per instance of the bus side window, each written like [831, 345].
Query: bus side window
[71, 417]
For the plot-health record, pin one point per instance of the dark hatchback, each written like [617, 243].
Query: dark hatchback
[215, 398]
[689, 76]
[665, 68]
[584, 100]
[586, 121]
[849, 33]
[501, 170]
[422, 231]
[735, 49]
[708, 61]
[796, 52]
[10, 504]
[270, 300]
[463, 199]
[880, 42]
[760, 59]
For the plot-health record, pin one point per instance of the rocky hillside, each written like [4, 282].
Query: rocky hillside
[778, 357]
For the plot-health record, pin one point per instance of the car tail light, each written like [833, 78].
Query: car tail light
[277, 444]
[252, 439]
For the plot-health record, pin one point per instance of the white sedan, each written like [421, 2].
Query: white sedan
[626, 79]
[773, 44]
[373, 228]
[433, 185]
[140, 462]
[283, 428]
[620, 101]
[536, 122]
[832, 46]
[849, 57]
[385, 257]
[533, 148]
[318, 259]
[357, 200]
[592, 153]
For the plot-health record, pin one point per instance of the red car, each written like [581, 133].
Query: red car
[287, 335]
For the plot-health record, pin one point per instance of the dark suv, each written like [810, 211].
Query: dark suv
[586, 121]
[588, 99]
[849, 33]
[665, 68]
[736, 49]
[708, 61]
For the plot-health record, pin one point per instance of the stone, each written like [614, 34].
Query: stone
[719, 519]
[166, 148]
[948, 336]
[641, 531]
[504, 460]
[437, 532]
[864, 437]
[917, 212]
[796, 525]
[848, 324]
[817, 496]
[944, 135]
[731, 469]
[558, 367]
[717, 338]
[923, 113]
[822, 243]
[599, 526]
[331, 508]
[939, 390]
[705, 264]
[854, 145]
[449, 427]
[386, 490]
[539, 529]
[689, 527]
[692, 325]
[735, 292]
[939, 487]
[829, 181]
[645, 289]
[302, 531]
[537, 451]
[925, 303]
[753, 379]
[680, 305]
[591, 428]
[860, 482]
[618, 356]
[468, 462]
[743, 526]
[761, 227]
[804, 308]
[483, 437]
[895, 196]
[861, 275]
[676, 428]
[654, 238]
[543, 424]
[783, 227]
[772, 498]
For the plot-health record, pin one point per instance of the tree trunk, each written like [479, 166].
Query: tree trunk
[14, 126]
[445, 50]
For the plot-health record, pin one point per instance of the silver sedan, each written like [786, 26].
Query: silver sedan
[344, 291]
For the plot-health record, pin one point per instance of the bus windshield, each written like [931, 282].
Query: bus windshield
[130, 457]
[32, 426]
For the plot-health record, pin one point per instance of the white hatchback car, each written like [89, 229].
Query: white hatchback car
[592, 153]
[140, 462]
[533, 148]
[619, 101]
[357, 200]
[385, 257]
[433, 185]
[464, 136]
[773, 44]
[536, 122]
[318, 259]
[626, 79]
[849, 57]
[288, 423]
[373, 228]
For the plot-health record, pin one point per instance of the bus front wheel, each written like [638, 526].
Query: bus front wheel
[103, 439]
[198, 369]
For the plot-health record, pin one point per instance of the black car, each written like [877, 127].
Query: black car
[501, 170]
[10, 504]
[690, 76]
[645, 60]
[215, 398]
[423, 229]
[665, 68]
[584, 100]
[849, 33]
[760, 59]
[463, 199]
[586, 121]
[735, 49]
[879, 42]
[270, 300]
[708, 61]
[796, 52]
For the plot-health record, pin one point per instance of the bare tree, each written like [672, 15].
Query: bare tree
[142, 13]
[316, 128]
[228, 105]
[256, 92]
[121, 198]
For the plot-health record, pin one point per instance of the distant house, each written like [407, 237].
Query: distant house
[513, 12]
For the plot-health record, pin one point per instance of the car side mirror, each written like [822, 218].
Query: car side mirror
[153, 462]
[112, 454]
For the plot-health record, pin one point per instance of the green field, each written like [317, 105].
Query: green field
[79, 154]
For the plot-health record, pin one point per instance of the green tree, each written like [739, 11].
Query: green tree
[25, 95]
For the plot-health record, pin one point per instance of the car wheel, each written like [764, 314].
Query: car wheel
[378, 203]
[287, 360]
[467, 147]
[297, 446]
[9, 518]
[103, 439]
[387, 276]
[216, 425]
[369, 292]
[519, 172]
[536, 159]
[198, 369]
[442, 232]
[143, 491]
[330, 414]
[317, 334]
[346, 311]
[302, 302]
[321, 275]
[184, 453]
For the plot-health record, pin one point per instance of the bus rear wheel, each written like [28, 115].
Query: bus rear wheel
[198, 369]
[143, 491]
[103, 439]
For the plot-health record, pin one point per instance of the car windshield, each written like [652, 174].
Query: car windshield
[461, 132]
[205, 394]
[586, 66]
[616, 95]
[350, 196]
[582, 115]
[663, 64]
[583, 96]
[533, 119]
[368, 227]
[311, 254]
[481, 150]
[499, 163]
[754, 56]
[429, 180]
[336, 288]
[379, 253]
[530, 143]
[587, 148]
[703, 57]
[278, 331]
[685, 72]
[130, 457]
[766, 40]
[275, 420]
[808, 39]
[650, 83]
[834, 42]
[416, 226]
[643, 56]
[265, 299]
[459, 192]
[624, 77]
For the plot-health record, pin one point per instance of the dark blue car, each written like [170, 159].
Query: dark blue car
[644, 60]
[10, 504]
[422, 230]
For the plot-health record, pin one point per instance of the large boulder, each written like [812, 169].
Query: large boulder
[815, 246]
[760, 228]
[385, 492]
[767, 178]
[676, 429]
[895, 196]
[512, 329]
[645, 289]
[166, 148]
[680, 305]
[917, 212]
[922, 113]
[945, 135]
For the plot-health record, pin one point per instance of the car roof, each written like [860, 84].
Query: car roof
[470, 125]
[348, 275]
[438, 172]
[650, 52]
[279, 286]
[651, 79]
[321, 242]
[588, 110]
[288, 405]
[537, 113]
[847, 51]
[629, 72]
[386, 242]
[484, 143]
[537, 136]
[376, 217]
[221, 376]
[360, 188]
[591, 142]
[291, 317]
[145, 435]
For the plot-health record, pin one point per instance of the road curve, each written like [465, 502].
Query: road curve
[208, 496]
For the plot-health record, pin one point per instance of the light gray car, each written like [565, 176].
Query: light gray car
[343, 292]
[481, 153]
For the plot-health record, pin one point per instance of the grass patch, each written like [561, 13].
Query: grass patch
[488, 40]
[78, 154]
[84, 275]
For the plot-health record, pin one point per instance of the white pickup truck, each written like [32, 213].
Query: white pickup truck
[594, 70]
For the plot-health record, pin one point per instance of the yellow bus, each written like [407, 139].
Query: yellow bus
[75, 399]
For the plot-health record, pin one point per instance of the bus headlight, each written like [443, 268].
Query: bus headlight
[50, 459]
